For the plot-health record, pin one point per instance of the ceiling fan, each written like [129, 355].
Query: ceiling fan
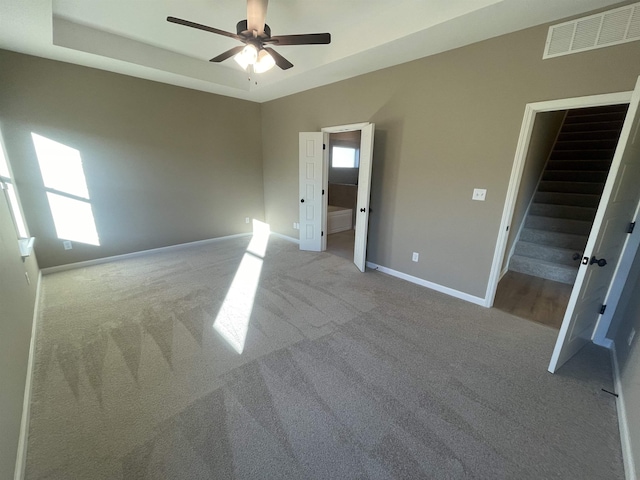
[255, 34]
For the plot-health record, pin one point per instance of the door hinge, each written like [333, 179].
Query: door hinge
[322, 234]
[324, 146]
[323, 191]
[602, 309]
[632, 225]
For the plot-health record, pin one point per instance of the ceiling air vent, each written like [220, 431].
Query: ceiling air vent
[613, 27]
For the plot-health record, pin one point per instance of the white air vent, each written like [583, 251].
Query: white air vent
[620, 25]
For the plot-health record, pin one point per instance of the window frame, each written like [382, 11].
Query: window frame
[8, 186]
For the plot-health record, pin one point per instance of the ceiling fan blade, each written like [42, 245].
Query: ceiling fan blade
[282, 62]
[228, 54]
[256, 15]
[304, 39]
[187, 23]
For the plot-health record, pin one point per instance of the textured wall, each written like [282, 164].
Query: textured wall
[164, 165]
[17, 300]
[545, 130]
[444, 125]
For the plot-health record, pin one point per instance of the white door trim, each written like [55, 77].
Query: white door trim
[530, 111]
[345, 128]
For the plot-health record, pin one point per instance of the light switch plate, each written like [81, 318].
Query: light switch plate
[479, 194]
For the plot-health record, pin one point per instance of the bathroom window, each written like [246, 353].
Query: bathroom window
[344, 157]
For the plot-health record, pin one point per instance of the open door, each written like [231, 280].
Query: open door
[310, 157]
[606, 241]
[364, 191]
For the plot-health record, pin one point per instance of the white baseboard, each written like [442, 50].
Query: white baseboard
[603, 342]
[503, 272]
[21, 457]
[125, 256]
[286, 237]
[625, 440]
[426, 283]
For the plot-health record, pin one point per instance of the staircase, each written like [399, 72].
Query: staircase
[563, 208]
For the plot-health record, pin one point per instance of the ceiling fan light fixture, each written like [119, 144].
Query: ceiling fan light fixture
[264, 63]
[248, 56]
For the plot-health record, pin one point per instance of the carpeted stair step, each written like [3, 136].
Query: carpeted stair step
[554, 239]
[580, 154]
[548, 253]
[586, 117]
[570, 212]
[575, 176]
[586, 144]
[593, 135]
[592, 127]
[561, 225]
[540, 268]
[576, 199]
[580, 165]
[571, 187]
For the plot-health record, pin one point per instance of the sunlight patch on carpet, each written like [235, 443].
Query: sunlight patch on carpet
[232, 322]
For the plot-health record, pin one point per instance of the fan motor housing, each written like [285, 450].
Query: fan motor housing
[241, 29]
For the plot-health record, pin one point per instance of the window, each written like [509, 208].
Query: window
[9, 188]
[344, 157]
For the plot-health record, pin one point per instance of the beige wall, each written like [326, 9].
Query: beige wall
[626, 318]
[444, 125]
[17, 301]
[164, 165]
[544, 134]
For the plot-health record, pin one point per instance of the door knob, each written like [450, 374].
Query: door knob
[362, 210]
[601, 263]
[302, 200]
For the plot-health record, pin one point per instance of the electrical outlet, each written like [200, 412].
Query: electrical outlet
[67, 245]
[479, 194]
[246, 219]
[415, 256]
[631, 335]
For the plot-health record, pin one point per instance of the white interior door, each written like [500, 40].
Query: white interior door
[606, 241]
[310, 157]
[364, 190]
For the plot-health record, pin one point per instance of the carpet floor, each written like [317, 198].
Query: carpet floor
[342, 375]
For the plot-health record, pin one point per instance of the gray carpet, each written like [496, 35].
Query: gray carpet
[343, 375]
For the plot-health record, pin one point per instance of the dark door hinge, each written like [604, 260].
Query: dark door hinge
[602, 309]
[322, 234]
[324, 146]
[632, 225]
[323, 191]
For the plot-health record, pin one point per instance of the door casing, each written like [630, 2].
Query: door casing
[327, 131]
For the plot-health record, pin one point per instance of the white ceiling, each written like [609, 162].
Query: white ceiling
[132, 37]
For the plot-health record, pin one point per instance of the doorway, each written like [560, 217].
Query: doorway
[314, 186]
[566, 168]
[343, 172]
[608, 239]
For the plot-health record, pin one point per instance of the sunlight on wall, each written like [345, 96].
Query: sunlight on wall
[67, 192]
[232, 322]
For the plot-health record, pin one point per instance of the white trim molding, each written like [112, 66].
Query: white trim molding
[425, 283]
[125, 256]
[21, 457]
[286, 237]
